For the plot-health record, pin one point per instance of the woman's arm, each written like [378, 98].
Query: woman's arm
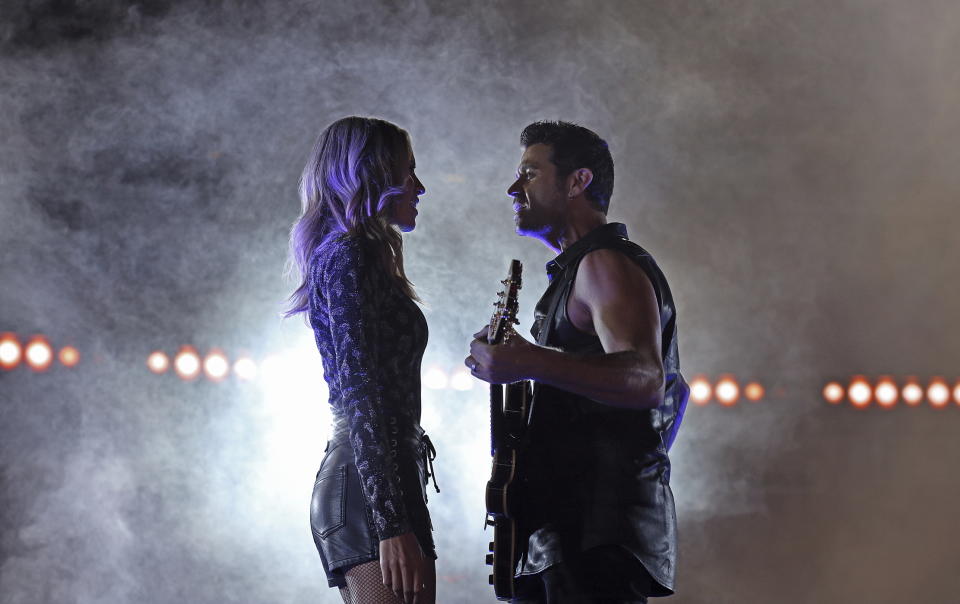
[350, 283]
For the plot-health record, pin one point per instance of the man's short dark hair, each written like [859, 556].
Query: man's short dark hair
[576, 147]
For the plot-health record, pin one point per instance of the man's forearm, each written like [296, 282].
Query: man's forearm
[619, 379]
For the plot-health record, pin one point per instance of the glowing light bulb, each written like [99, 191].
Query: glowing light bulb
[435, 379]
[886, 392]
[859, 392]
[38, 353]
[727, 391]
[245, 369]
[754, 391]
[158, 362]
[216, 366]
[461, 379]
[187, 363]
[912, 392]
[700, 390]
[272, 369]
[10, 351]
[938, 393]
[833, 393]
[69, 356]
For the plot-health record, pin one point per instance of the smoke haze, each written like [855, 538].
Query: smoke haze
[792, 166]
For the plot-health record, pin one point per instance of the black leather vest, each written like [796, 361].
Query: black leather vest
[595, 474]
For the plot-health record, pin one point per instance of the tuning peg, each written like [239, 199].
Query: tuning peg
[491, 579]
[491, 546]
[490, 559]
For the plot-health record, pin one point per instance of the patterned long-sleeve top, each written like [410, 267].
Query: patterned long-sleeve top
[371, 337]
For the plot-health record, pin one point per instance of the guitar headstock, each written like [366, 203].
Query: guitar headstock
[505, 315]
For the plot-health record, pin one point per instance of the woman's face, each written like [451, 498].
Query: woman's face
[403, 213]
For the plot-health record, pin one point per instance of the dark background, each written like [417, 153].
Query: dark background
[792, 165]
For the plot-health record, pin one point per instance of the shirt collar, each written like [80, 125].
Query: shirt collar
[580, 247]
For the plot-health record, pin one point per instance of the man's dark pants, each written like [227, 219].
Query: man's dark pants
[602, 575]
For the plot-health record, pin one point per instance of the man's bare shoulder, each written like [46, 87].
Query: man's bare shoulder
[607, 272]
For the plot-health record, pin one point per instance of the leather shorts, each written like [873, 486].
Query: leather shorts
[340, 518]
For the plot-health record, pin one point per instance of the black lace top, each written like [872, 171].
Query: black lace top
[371, 337]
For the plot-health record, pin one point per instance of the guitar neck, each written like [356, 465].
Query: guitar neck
[496, 416]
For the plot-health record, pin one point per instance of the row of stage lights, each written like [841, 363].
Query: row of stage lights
[189, 365]
[36, 353]
[886, 393]
[726, 391]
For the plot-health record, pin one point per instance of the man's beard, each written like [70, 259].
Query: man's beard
[535, 223]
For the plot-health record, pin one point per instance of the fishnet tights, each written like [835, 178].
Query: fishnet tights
[365, 586]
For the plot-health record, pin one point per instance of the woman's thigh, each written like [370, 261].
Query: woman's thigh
[365, 585]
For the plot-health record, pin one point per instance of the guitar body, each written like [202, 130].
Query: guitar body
[510, 409]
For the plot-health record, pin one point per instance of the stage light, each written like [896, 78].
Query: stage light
[859, 392]
[461, 379]
[293, 422]
[69, 356]
[833, 393]
[187, 363]
[700, 390]
[216, 366]
[10, 351]
[271, 371]
[38, 353]
[727, 391]
[753, 391]
[938, 393]
[886, 392]
[912, 392]
[245, 369]
[956, 392]
[435, 379]
[291, 377]
[158, 362]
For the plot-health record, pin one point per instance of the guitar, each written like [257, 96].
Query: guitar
[509, 415]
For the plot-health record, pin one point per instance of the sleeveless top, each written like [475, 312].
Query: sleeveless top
[596, 474]
[371, 337]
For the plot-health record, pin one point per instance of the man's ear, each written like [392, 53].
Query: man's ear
[578, 181]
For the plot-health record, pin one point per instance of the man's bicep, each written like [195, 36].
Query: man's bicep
[623, 305]
[629, 324]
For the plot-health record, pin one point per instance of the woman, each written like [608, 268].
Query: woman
[368, 512]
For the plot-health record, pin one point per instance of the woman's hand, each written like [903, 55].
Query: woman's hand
[406, 571]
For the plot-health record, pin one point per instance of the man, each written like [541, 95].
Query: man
[598, 518]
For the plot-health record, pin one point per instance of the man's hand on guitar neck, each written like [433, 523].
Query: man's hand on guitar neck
[503, 363]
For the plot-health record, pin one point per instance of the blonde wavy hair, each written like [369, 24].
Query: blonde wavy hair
[347, 188]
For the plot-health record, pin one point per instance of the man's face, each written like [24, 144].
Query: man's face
[538, 202]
